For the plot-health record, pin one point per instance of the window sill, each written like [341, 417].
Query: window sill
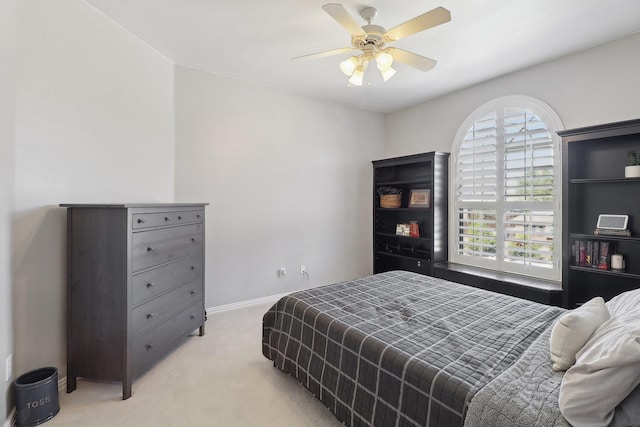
[531, 288]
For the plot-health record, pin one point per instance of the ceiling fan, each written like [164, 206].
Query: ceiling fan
[371, 40]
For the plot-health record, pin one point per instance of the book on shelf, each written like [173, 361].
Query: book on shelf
[604, 261]
[593, 253]
[608, 232]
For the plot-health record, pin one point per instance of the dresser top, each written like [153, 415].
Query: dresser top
[129, 205]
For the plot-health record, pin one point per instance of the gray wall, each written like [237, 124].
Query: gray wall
[288, 179]
[7, 119]
[94, 123]
[598, 85]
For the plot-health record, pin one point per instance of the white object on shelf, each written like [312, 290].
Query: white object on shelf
[632, 171]
[617, 262]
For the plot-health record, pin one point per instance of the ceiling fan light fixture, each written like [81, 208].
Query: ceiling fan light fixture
[371, 40]
[358, 76]
[384, 61]
[349, 65]
[387, 74]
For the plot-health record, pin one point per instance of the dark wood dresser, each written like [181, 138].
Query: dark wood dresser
[135, 286]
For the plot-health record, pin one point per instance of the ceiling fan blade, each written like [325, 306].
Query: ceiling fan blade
[427, 20]
[324, 54]
[340, 14]
[412, 59]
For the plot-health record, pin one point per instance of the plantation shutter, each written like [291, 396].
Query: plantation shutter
[476, 172]
[528, 238]
[528, 185]
[528, 157]
[506, 176]
[477, 233]
[477, 163]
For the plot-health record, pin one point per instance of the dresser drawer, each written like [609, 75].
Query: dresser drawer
[154, 247]
[183, 217]
[156, 311]
[152, 283]
[147, 220]
[150, 347]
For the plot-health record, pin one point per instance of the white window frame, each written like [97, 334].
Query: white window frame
[553, 124]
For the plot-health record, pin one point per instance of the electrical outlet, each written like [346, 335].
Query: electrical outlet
[9, 368]
[282, 272]
[303, 270]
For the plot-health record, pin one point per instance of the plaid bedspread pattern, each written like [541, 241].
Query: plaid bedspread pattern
[398, 348]
[525, 394]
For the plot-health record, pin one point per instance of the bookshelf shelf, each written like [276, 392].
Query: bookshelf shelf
[603, 180]
[604, 237]
[621, 273]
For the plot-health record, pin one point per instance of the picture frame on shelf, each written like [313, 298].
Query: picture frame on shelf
[403, 230]
[420, 198]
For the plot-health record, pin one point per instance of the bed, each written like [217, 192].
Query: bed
[403, 349]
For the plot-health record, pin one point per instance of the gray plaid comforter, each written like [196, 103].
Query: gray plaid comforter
[398, 348]
[524, 395]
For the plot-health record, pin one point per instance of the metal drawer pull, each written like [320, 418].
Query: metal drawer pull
[179, 218]
[193, 292]
[193, 317]
[149, 248]
[149, 285]
[193, 267]
[198, 216]
[140, 221]
[166, 218]
[149, 347]
[193, 240]
[150, 316]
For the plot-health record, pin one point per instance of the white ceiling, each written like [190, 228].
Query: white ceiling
[254, 40]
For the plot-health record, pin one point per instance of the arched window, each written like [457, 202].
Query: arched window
[506, 189]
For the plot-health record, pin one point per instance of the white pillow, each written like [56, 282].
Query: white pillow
[573, 329]
[624, 303]
[606, 371]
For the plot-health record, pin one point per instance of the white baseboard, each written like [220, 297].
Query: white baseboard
[242, 304]
[62, 382]
[11, 421]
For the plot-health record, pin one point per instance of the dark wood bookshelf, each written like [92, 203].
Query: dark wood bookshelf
[418, 254]
[594, 159]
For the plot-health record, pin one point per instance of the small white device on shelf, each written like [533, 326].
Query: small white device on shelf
[612, 225]
[612, 222]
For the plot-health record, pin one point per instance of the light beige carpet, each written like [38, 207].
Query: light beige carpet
[220, 379]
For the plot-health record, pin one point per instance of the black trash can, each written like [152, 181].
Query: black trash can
[36, 397]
